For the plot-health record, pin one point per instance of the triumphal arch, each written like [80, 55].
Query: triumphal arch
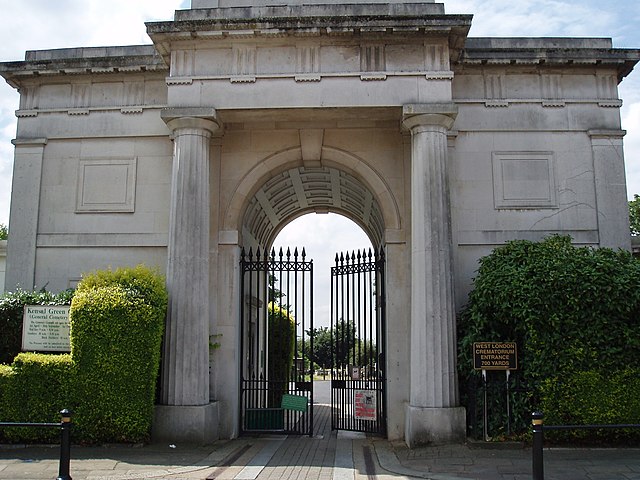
[193, 152]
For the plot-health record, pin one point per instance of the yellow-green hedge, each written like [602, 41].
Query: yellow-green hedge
[34, 389]
[117, 320]
[109, 379]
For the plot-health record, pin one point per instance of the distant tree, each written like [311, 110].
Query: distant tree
[321, 346]
[347, 348]
[634, 215]
[4, 231]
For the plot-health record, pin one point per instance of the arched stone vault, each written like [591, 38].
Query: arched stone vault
[282, 188]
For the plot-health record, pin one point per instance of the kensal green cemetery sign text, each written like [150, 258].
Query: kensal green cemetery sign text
[45, 328]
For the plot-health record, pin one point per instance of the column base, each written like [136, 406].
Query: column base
[185, 424]
[429, 426]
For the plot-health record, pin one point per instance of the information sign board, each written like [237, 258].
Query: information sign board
[45, 328]
[365, 405]
[495, 356]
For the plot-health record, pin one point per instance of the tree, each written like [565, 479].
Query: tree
[321, 354]
[4, 231]
[572, 312]
[634, 215]
[347, 349]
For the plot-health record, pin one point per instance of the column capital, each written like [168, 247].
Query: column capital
[204, 118]
[429, 115]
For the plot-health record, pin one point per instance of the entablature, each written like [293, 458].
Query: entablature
[356, 22]
[549, 53]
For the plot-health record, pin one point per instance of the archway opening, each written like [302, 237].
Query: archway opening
[312, 265]
[323, 236]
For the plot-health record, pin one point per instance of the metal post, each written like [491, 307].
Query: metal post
[508, 372]
[65, 445]
[485, 416]
[537, 421]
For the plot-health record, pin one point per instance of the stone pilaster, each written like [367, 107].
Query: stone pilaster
[433, 415]
[611, 188]
[23, 218]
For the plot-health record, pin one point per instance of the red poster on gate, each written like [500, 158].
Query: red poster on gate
[365, 405]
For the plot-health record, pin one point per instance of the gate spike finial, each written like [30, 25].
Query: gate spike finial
[242, 255]
[304, 254]
[250, 254]
[359, 257]
[273, 253]
[370, 254]
[295, 254]
[288, 253]
[342, 257]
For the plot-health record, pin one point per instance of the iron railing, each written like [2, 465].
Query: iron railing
[65, 440]
[537, 422]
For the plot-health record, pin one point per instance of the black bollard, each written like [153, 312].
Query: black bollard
[537, 420]
[65, 446]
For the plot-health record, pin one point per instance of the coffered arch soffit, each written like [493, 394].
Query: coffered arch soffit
[282, 187]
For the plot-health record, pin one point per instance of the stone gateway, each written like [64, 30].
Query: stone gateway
[243, 115]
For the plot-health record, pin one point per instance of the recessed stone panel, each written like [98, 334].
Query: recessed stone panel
[106, 185]
[524, 180]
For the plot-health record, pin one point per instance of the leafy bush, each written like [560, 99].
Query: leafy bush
[596, 398]
[109, 379]
[11, 313]
[34, 389]
[282, 337]
[5, 377]
[117, 321]
[569, 310]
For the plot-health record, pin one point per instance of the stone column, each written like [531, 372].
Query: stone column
[611, 188]
[433, 414]
[185, 362]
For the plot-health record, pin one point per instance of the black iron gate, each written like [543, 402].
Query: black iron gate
[358, 400]
[276, 388]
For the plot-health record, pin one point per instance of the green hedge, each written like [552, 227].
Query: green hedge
[109, 379]
[34, 389]
[11, 313]
[569, 309]
[6, 372]
[117, 321]
[597, 398]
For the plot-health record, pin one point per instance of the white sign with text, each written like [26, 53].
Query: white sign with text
[45, 328]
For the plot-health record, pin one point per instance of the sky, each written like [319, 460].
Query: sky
[47, 24]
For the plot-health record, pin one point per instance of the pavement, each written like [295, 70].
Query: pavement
[327, 455]
[339, 456]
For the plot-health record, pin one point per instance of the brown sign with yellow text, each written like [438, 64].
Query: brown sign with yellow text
[495, 356]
